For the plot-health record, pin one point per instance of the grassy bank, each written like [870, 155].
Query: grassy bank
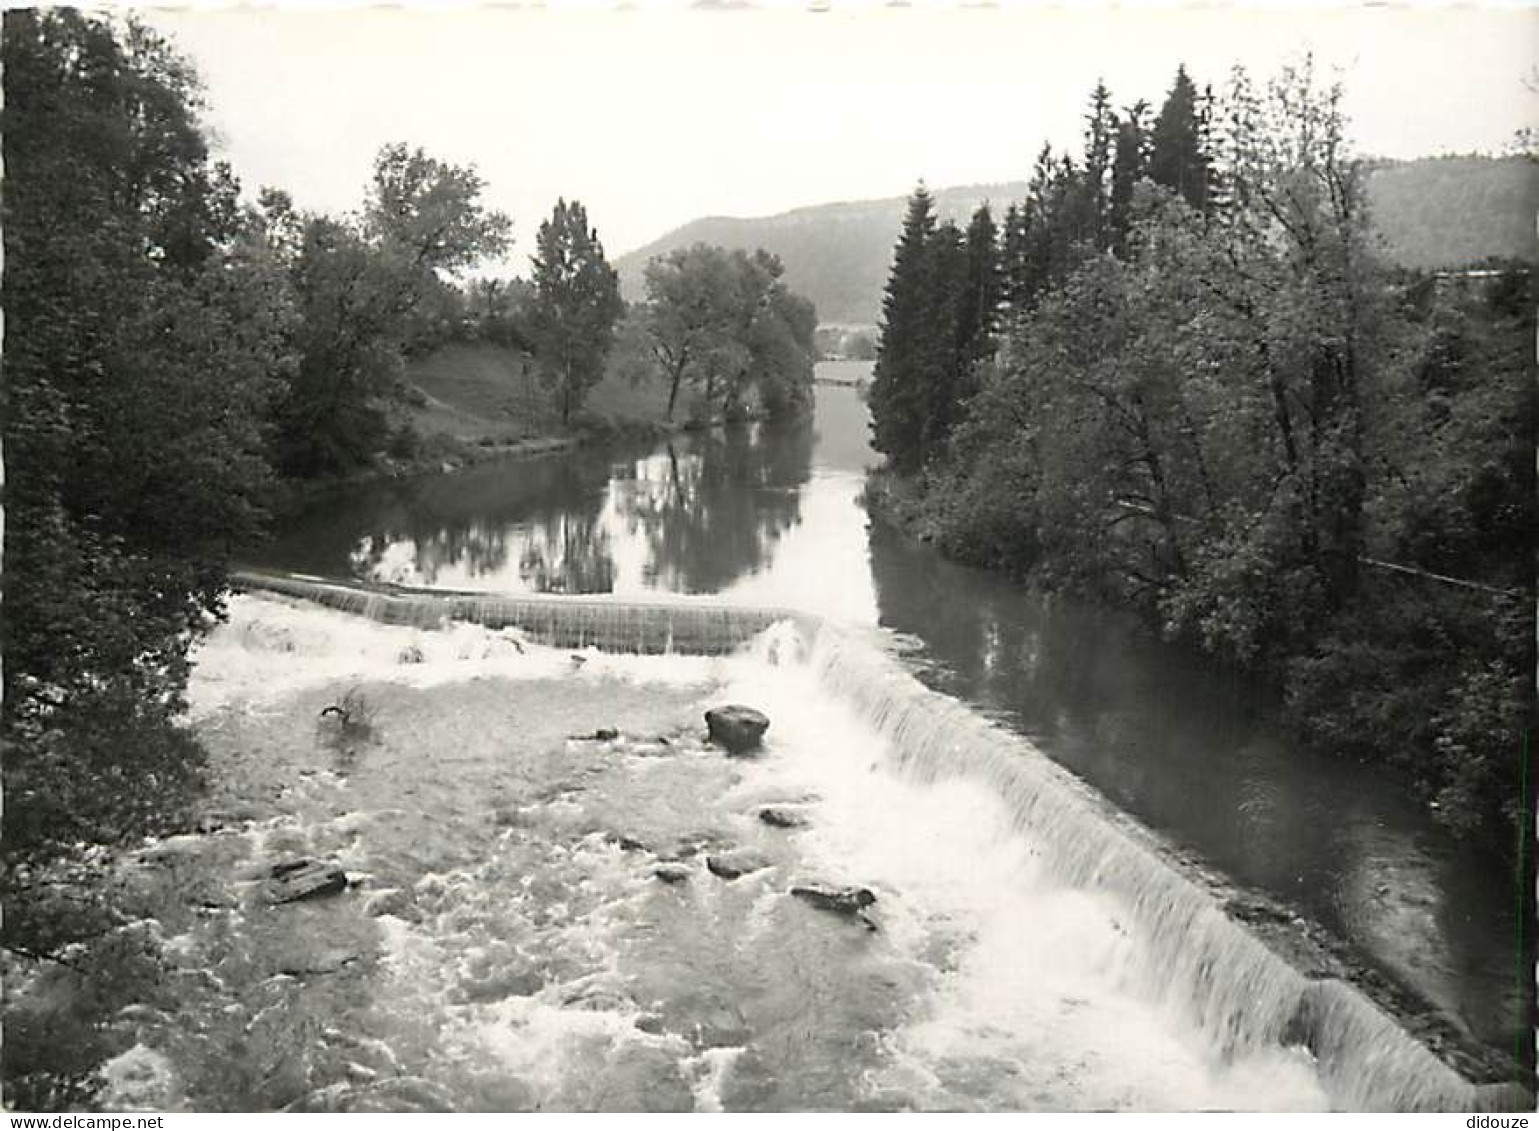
[484, 395]
[466, 403]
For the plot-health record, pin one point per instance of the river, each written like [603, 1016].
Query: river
[773, 517]
[538, 915]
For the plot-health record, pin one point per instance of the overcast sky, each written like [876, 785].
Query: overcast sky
[657, 115]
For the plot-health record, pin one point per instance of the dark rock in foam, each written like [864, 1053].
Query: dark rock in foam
[735, 728]
[304, 878]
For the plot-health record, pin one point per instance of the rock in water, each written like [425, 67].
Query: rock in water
[670, 872]
[731, 865]
[845, 901]
[304, 878]
[737, 729]
[782, 818]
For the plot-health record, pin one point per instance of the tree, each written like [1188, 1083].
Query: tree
[576, 305]
[898, 379]
[365, 291]
[943, 338]
[690, 313]
[1015, 259]
[1101, 130]
[1295, 236]
[145, 331]
[351, 331]
[1179, 158]
[1130, 163]
[426, 215]
[781, 350]
[725, 325]
[979, 299]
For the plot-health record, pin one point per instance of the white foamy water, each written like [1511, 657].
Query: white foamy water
[508, 944]
[1029, 1007]
[272, 647]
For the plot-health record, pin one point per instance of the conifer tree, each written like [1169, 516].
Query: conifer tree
[1129, 165]
[979, 301]
[1047, 226]
[1095, 189]
[945, 341]
[897, 389]
[1179, 159]
[1014, 261]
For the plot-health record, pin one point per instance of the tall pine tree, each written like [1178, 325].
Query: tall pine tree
[945, 338]
[1130, 162]
[978, 303]
[1015, 262]
[1095, 187]
[1179, 158]
[897, 385]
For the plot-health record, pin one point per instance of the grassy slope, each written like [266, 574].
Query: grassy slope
[486, 395]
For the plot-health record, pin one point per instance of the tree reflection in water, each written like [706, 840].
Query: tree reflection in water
[567, 553]
[693, 517]
[521, 524]
[712, 507]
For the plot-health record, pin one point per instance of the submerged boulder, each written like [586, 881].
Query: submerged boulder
[304, 878]
[739, 862]
[778, 818]
[735, 728]
[843, 901]
[671, 872]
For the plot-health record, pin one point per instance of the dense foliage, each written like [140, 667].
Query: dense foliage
[1210, 401]
[724, 325]
[171, 354]
[362, 289]
[145, 337]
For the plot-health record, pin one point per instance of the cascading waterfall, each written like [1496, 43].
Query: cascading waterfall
[1191, 957]
[1240, 994]
[645, 628]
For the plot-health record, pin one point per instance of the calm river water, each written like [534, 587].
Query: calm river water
[760, 516]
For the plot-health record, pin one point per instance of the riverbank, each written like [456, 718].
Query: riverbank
[1363, 684]
[468, 404]
[465, 404]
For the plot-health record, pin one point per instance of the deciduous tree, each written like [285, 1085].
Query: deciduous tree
[576, 305]
[144, 335]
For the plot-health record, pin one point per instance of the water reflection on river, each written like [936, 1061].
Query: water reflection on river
[771, 516]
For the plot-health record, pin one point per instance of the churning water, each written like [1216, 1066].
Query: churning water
[508, 944]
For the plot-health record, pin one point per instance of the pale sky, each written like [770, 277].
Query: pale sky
[656, 115]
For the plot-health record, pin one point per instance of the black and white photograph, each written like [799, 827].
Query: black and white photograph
[782, 557]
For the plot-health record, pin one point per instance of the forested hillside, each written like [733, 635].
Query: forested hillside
[1430, 213]
[1449, 211]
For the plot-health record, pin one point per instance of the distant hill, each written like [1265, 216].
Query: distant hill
[1452, 211]
[835, 254]
[1433, 212]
